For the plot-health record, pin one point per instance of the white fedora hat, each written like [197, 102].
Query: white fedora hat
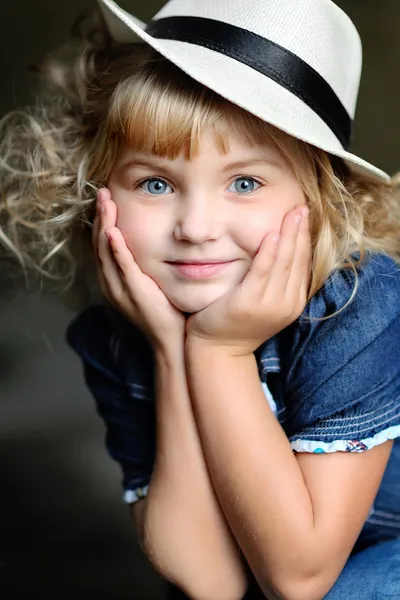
[293, 63]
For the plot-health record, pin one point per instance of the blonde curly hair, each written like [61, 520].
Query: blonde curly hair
[55, 155]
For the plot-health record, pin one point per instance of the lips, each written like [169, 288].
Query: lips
[200, 261]
[199, 269]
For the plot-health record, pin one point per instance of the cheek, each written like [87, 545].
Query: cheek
[253, 229]
[138, 231]
[270, 215]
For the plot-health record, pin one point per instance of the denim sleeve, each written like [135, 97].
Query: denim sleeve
[342, 375]
[126, 407]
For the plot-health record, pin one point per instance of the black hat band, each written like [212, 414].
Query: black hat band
[266, 57]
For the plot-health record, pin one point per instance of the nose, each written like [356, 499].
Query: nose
[197, 220]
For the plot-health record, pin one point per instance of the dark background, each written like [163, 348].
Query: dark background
[64, 532]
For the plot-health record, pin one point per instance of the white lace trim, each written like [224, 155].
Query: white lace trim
[269, 397]
[131, 496]
[312, 446]
[316, 447]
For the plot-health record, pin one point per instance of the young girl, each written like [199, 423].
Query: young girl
[245, 357]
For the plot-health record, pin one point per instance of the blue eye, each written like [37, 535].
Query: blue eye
[155, 187]
[244, 185]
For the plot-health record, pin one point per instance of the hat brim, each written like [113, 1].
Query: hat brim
[241, 85]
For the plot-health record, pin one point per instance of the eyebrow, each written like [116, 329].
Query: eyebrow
[241, 164]
[141, 162]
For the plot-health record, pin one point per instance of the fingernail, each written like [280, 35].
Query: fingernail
[101, 206]
[100, 201]
[298, 216]
[305, 211]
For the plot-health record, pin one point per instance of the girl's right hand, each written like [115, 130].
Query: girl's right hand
[123, 283]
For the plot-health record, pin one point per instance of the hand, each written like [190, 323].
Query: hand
[123, 283]
[272, 295]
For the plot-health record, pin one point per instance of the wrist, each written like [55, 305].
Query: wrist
[170, 354]
[196, 346]
[210, 357]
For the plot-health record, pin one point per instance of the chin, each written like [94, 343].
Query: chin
[195, 301]
[189, 307]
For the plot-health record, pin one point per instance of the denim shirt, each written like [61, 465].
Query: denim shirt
[333, 384]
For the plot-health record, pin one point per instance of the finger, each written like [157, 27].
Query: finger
[301, 266]
[99, 269]
[95, 234]
[108, 269]
[282, 267]
[96, 224]
[261, 266]
[108, 209]
[128, 268]
[307, 277]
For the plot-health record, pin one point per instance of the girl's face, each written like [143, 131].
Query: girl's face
[195, 226]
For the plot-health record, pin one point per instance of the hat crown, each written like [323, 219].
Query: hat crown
[317, 31]
[295, 64]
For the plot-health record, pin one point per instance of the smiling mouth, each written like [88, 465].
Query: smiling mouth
[199, 270]
[200, 261]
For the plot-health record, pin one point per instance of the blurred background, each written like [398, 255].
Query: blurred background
[64, 532]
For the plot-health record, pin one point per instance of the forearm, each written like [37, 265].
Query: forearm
[257, 478]
[186, 535]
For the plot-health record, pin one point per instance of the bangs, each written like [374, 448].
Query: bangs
[163, 111]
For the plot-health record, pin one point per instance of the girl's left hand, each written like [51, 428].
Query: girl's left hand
[272, 295]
